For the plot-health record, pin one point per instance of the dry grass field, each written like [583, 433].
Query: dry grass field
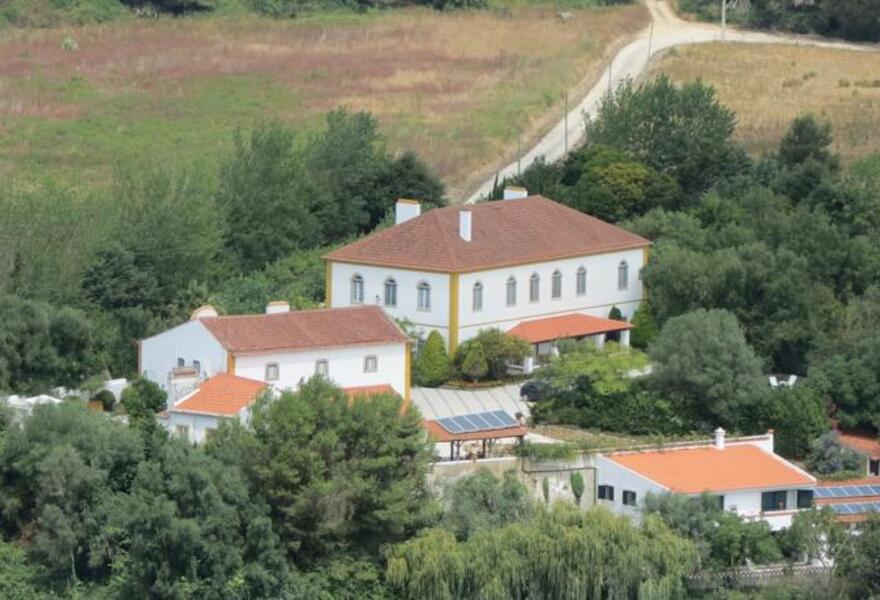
[454, 87]
[768, 86]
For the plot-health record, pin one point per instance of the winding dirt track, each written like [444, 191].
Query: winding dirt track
[668, 30]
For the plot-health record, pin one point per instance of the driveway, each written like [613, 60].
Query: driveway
[667, 31]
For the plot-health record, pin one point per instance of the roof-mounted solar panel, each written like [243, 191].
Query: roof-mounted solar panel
[450, 425]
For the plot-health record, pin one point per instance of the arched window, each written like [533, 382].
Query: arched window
[357, 289]
[534, 288]
[622, 275]
[557, 284]
[511, 291]
[390, 292]
[424, 296]
[478, 297]
[581, 284]
[322, 367]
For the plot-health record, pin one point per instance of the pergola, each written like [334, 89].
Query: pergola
[488, 437]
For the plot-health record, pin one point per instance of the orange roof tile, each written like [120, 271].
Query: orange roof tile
[223, 394]
[872, 480]
[863, 442]
[304, 329]
[565, 326]
[368, 390]
[438, 434]
[504, 233]
[707, 469]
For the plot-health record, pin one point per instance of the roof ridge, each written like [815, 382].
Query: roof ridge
[294, 312]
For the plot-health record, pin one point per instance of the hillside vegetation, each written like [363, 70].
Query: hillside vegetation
[455, 87]
[769, 86]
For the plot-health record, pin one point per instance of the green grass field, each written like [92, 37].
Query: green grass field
[454, 87]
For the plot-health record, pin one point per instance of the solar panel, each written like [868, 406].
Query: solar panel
[450, 425]
[465, 423]
[822, 493]
[492, 420]
[505, 418]
[875, 490]
[864, 490]
[479, 421]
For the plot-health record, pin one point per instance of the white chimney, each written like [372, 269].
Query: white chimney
[464, 225]
[279, 306]
[206, 310]
[719, 438]
[512, 192]
[405, 210]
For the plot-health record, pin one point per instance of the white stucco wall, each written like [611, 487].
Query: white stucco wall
[346, 366]
[198, 425]
[609, 472]
[190, 341]
[407, 293]
[602, 291]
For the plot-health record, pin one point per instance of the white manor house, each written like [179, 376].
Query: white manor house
[526, 265]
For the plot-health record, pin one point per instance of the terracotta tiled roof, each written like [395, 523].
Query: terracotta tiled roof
[223, 394]
[565, 326]
[304, 329]
[504, 233]
[368, 390]
[438, 434]
[707, 469]
[864, 443]
[873, 480]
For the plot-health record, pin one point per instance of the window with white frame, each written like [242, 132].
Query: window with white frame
[272, 372]
[511, 291]
[478, 297]
[182, 431]
[557, 285]
[197, 365]
[357, 289]
[534, 287]
[390, 292]
[322, 367]
[629, 498]
[180, 362]
[622, 275]
[424, 296]
[581, 283]
[371, 364]
[605, 492]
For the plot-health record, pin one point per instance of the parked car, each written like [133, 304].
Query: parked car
[535, 391]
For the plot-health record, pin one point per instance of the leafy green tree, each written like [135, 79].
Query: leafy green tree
[482, 501]
[797, 416]
[723, 538]
[682, 131]
[432, 365]
[702, 361]
[268, 203]
[624, 560]
[850, 382]
[475, 366]
[499, 348]
[860, 567]
[143, 399]
[828, 456]
[815, 535]
[645, 329]
[42, 346]
[807, 139]
[338, 474]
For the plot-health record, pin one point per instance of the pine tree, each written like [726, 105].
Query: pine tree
[645, 326]
[475, 365]
[432, 366]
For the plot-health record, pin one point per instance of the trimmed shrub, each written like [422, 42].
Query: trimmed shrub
[432, 365]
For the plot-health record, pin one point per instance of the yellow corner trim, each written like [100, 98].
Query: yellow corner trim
[230, 363]
[407, 375]
[328, 284]
[453, 313]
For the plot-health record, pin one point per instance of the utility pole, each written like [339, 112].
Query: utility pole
[609, 75]
[519, 154]
[723, 20]
[565, 118]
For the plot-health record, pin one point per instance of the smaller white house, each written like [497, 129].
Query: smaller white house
[744, 474]
[198, 414]
[357, 347]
